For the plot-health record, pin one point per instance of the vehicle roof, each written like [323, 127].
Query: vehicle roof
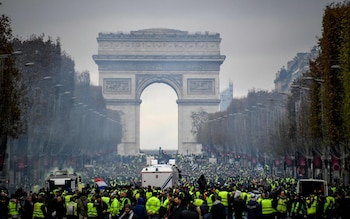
[161, 168]
[312, 180]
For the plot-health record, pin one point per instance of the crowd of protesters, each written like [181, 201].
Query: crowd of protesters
[208, 190]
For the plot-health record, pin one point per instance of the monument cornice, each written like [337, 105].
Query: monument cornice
[165, 58]
[159, 34]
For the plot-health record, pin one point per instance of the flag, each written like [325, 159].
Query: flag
[100, 183]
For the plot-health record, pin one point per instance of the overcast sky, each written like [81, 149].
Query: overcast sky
[258, 38]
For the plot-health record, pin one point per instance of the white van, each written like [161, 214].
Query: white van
[305, 187]
[160, 175]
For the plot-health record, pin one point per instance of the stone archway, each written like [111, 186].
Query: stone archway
[189, 63]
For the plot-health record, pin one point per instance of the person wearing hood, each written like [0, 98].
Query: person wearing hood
[253, 208]
[139, 209]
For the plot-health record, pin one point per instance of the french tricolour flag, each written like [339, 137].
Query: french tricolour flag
[100, 183]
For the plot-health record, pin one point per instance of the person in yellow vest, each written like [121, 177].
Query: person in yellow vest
[225, 196]
[40, 209]
[267, 211]
[153, 206]
[92, 210]
[149, 192]
[329, 205]
[311, 206]
[198, 201]
[114, 206]
[282, 205]
[72, 208]
[298, 207]
[210, 198]
[67, 197]
[14, 207]
[106, 199]
[124, 199]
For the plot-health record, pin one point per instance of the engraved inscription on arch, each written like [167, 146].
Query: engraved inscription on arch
[203, 86]
[117, 85]
[159, 46]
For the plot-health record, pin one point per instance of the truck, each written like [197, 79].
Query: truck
[63, 180]
[305, 187]
[161, 176]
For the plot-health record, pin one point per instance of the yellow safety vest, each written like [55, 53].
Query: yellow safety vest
[313, 207]
[114, 207]
[91, 210]
[13, 208]
[37, 212]
[266, 206]
[224, 197]
[282, 205]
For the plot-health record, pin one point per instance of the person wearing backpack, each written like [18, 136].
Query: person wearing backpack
[72, 209]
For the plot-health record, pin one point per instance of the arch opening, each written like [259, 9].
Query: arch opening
[158, 118]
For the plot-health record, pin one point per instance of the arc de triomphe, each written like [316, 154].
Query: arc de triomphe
[189, 63]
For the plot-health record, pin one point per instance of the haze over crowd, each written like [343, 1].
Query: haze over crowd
[258, 38]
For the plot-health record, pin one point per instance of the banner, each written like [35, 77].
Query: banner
[22, 162]
[317, 161]
[289, 161]
[277, 162]
[302, 160]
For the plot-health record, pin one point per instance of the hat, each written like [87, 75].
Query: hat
[253, 197]
[237, 194]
